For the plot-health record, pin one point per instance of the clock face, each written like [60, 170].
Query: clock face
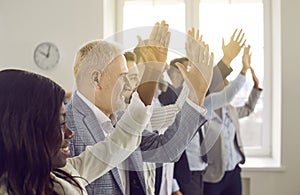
[46, 55]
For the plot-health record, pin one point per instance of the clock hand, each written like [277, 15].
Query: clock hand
[48, 52]
[41, 52]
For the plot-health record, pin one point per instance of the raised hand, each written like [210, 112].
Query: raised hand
[246, 60]
[155, 49]
[233, 48]
[198, 72]
[154, 53]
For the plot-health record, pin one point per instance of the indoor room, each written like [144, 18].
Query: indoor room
[44, 37]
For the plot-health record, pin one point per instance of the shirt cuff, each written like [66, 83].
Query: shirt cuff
[136, 116]
[182, 96]
[201, 110]
[175, 186]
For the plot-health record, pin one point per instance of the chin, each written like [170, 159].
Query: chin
[59, 164]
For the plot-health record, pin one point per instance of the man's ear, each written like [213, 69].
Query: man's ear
[95, 78]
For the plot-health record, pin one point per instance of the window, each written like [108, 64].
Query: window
[217, 19]
[248, 15]
[138, 14]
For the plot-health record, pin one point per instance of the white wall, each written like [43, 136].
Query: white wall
[287, 181]
[69, 23]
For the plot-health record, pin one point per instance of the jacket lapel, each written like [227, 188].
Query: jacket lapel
[90, 121]
[93, 131]
[135, 163]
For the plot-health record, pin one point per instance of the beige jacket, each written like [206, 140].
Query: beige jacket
[216, 155]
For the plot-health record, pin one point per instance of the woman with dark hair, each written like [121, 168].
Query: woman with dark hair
[34, 140]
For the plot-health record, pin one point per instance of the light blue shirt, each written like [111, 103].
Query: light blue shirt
[219, 100]
[233, 157]
[194, 155]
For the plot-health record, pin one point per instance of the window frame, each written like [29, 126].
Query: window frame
[272, 75]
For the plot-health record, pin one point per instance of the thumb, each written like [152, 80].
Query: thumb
[223, 43]
[140, 40]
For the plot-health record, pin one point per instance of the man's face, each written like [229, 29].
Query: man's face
[110, 96]
[134, 80]
[133, 74]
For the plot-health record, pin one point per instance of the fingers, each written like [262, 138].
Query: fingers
[244, 43]
[166, 40]
[233, 35]
[241, 38]
[162, 31]
[191, 32]
[211, 59]
[238, 36]
[247, 50]
[223, 43]
[160, 36]
[197, 50]
[206, 54]
[201, 54]
[140, 40]
[154, 31]
[198, 38]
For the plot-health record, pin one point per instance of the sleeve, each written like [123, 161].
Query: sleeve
[98, 159]
[163, 117]
[219, 99]
[175, 186]
[220, 72]
[249, 106]
[169, 146]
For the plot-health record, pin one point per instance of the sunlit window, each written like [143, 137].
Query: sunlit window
[137, 13]
[249, 16]
[218, 19]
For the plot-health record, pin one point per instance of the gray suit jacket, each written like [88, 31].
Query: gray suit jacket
[216, 156]
[154, 147]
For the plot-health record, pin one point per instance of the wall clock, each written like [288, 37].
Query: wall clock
[46, 55]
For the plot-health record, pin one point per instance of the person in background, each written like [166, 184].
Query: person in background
[223, 174]
[165, 182]
[192, 164]
[100, 73]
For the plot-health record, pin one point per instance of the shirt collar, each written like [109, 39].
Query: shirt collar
[101, 117]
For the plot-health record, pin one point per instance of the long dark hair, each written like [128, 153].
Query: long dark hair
[29, 131]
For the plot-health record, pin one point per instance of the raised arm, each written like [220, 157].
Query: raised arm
[116, 147]
[221, 98]
[230, 51]
[169, 146]
[198, 73]
[154, 53]
[126, 137]
[249, 106]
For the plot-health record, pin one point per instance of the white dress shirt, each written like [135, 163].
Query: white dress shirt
[106, 125]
